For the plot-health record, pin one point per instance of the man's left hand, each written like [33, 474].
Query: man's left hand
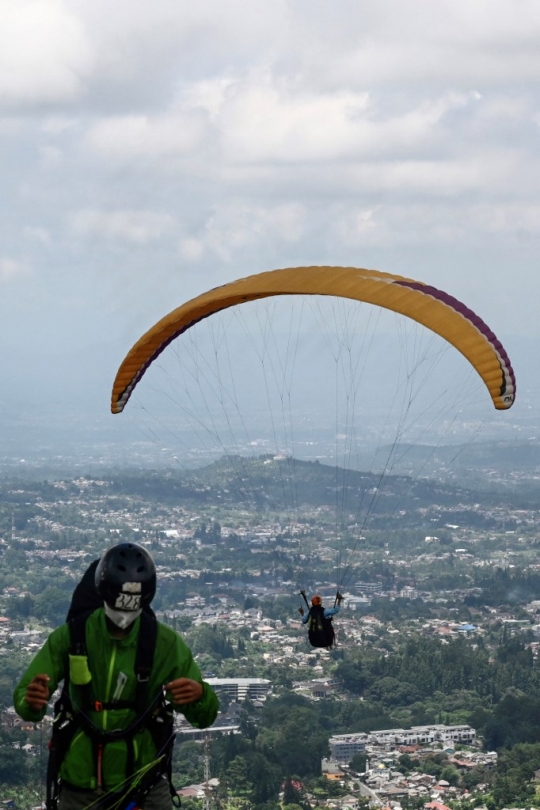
[184, 691]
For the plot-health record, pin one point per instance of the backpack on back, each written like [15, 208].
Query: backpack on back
[85, 598]
[320, 629]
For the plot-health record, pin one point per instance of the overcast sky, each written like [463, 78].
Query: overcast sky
[150, 150]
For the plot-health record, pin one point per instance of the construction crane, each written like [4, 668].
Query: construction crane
[207, 804]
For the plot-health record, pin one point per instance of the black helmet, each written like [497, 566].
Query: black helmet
[126, 577]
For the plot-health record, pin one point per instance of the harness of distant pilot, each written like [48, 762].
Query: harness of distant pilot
[321, 631]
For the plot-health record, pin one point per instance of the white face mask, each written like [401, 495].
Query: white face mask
[121, 618]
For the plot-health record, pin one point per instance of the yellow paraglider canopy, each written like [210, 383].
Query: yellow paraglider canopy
[434, 309]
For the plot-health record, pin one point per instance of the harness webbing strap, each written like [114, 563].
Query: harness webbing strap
[144, 659]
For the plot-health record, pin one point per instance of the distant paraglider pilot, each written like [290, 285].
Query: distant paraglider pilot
[124, 673]
[319, 620]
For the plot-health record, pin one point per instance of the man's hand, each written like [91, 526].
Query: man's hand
[301, 611]
[184, 691]
[38, 693]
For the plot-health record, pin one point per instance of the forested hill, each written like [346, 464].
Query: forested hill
[274, 484]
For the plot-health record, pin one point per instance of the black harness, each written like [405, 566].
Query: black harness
[155, 714]
[320, 629]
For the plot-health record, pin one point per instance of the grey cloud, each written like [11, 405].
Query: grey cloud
[449, 44]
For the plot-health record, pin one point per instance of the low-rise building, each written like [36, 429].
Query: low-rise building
[344, 746]
[240, 689]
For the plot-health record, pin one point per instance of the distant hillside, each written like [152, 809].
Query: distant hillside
[449, 460]
[266, 484]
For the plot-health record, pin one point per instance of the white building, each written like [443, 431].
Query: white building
[408, 592]
[344, 746]
[424, 735]
[357, 602]
[240, 689]
[462, 734]
[368, 587]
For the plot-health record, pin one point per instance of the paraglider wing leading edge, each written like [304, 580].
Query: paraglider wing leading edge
[433, 308]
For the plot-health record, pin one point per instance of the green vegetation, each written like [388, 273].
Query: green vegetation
[390, 671]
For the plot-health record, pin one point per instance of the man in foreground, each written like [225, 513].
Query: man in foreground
[124, 673]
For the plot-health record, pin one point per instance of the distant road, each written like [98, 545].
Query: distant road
[367, 793]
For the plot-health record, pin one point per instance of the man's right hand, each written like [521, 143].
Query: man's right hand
[38, 693]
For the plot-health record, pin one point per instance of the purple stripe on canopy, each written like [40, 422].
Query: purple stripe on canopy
[471, 316]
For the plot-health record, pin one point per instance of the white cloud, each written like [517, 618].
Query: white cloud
[238, 227]
[443, 225]
[518, 219]
[45, 55]
[51, 156]
[229, 137]
[145, 53]
[134, 136]
[38, 234]
[11, 268]
[433, 177]
[137, 57]
[191, 250]
[58, 124]
[138, 227]
[11, 126]
[397, 45]
[262, 119]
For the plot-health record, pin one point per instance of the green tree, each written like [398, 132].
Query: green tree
[187, 764]
[291, 794]
[212, 640]
[358, 762]
[13, 769]
[450, 775]
[351, 675]
[268, 777]
[236, 777]
[53, 605]
[21, 607]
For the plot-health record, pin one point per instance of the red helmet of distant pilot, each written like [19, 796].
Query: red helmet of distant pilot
[316, 600]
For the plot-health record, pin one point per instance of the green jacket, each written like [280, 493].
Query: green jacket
[112, 662]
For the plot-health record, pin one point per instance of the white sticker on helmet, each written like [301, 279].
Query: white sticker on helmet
[132, 587]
